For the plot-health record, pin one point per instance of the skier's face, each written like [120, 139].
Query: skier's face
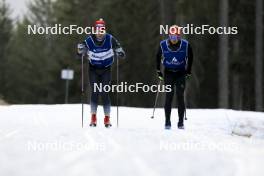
[100, 33]
[174, 34]
[174, 38]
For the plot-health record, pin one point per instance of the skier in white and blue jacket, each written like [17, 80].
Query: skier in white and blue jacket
[100, 49]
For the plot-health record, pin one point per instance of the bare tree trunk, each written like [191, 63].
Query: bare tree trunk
[166, 8]
[236, 78]
[223, 67]
[235, 91]
[259, 56]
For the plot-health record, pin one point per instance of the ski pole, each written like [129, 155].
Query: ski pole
[117, 82]
[185, 114]
[82, 98]
[186, 79]
[155, 104]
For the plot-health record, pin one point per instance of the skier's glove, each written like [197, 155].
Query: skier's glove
[160, 75]
[81, 49]
[120, 52]
[188, 76]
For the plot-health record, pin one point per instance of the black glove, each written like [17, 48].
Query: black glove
[160, 75]
[188, 75]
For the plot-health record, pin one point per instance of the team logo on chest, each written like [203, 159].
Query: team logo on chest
[175, 61]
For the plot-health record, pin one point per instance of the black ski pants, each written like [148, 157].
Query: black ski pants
[175, 79]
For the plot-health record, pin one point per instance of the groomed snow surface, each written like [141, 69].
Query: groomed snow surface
[47, 140]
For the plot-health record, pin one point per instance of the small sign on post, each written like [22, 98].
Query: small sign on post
[67, 74]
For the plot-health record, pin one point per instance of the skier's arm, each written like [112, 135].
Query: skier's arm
[158, 61]
[190, 60]
[118, 49]
[158, 58]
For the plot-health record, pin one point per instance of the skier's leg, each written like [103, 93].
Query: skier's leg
[93, 79]
[106, 79]
[168, 80]
[180, 87]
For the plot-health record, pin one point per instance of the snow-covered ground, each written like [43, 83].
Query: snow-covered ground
[42, 140]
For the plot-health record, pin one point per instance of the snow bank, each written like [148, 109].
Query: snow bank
[249, 124]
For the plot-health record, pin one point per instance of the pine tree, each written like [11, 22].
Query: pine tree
[5, 35]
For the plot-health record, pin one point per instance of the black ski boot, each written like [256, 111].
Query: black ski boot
[180, 126]
[167, 124]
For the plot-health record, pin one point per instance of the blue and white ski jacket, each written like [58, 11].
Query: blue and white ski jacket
[100, 56]
[176, 60]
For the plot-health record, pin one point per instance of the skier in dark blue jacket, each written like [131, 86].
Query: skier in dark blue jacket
[176, 56]
[100, 49]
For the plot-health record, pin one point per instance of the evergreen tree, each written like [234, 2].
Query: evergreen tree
[5, 35]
